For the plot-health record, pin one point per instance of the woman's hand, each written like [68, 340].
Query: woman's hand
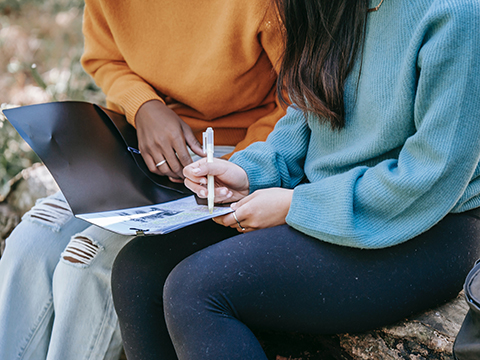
[162, 135]
[261, 209]
[231, 181]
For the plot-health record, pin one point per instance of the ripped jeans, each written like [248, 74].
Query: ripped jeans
[55, 296]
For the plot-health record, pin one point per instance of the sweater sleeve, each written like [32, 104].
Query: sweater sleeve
[268, 34]
[125, 90]
[396, 200]
[271, 163]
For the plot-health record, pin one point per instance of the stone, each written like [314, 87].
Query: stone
[22, 192]
[429, 335]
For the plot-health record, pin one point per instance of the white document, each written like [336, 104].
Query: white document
[154, 219]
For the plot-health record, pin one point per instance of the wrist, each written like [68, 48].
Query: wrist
[147, 106]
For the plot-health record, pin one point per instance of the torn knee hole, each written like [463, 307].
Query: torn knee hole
[80, 250]
[51, 211]
[56, 206]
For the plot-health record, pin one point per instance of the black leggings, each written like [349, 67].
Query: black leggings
[210, 286]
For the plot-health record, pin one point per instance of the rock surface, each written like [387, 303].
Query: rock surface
[22, 191]
[427, 336]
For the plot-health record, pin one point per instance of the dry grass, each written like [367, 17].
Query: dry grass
[46, 35]
[40, 45]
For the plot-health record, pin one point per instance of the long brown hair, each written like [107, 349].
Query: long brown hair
[322, 39]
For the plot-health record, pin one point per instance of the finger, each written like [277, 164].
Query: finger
[220, 220]
[175, 180]
[182, 153]
[241, 219]
[197, 188]
[174, 164]
[220, 223]
[222, 194]
[163, 168]
[152, 158]
[192, 141]
[229, 220]
[190, 172]
[160, 163]
[241, 202]
[149, 161]
[215, 168]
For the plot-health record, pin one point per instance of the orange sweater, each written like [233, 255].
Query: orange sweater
[210, 61]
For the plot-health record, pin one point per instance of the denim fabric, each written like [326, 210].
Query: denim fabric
[51, 307]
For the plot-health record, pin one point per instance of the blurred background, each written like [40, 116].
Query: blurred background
[40, 47]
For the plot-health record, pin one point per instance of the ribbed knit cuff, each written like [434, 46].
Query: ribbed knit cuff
[258, 177]
[136, 97]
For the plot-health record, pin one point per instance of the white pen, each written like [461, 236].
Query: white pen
[208, 149]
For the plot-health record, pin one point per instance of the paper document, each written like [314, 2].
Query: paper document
[154, 219]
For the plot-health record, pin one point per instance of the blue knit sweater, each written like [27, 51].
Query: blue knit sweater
[409, 153]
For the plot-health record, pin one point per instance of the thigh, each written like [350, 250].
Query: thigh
[282, 279]
[138, 278]
[145, 262]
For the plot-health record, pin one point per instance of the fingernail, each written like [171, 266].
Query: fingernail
[233, 206]
[223, 192]
[230, 194]
[203, 193]
[196, 170]
[203, 181]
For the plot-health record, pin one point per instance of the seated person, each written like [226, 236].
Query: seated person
[360, 209]
[173, 68]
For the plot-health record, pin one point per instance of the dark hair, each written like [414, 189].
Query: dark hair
[322, 39]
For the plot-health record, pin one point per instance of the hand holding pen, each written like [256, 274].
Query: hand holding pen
[230, 180]
[261, 209]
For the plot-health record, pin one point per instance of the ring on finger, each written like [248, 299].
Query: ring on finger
[238, 222]
[160, 163]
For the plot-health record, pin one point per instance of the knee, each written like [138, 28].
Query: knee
[195, 287]
[125, 266]
[40, 223]
[93, 244]
[182, 300]
[52, 212]
[185, 279]
[21, 244]
[133, 279]
[81, 250]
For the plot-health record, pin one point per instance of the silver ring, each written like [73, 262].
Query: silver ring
[238, 222]
[160, 163]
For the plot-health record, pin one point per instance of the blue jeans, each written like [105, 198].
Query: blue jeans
[55, 297]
